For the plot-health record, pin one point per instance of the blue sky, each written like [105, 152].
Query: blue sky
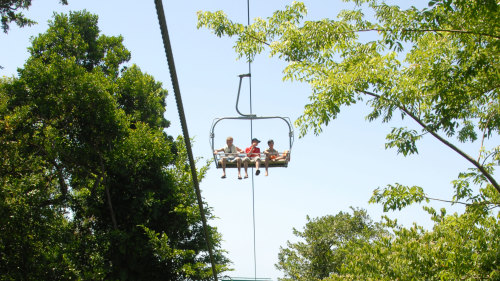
[327, 174]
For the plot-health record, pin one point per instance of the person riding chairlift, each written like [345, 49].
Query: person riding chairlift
[230, 155]
[253, 156]
[273, 155]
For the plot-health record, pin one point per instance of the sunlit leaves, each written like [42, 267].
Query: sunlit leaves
[77, 37]
[404, 140]
[396, 197]
[324, 245]
[458, 247]
[439, 65]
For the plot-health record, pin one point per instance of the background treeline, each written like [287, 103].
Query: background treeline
[91, 186]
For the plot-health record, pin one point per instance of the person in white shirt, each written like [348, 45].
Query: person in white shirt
[231, 155]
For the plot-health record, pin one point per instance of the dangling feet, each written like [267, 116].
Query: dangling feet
[223, 176]
[257, 172]
[265, 173]
[239, 176]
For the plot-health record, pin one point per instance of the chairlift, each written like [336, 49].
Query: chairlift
[227, 278]
[272, 164]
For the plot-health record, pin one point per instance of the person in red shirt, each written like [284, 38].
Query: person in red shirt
[253, 156]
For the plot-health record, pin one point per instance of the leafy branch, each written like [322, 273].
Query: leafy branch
[8, 9]
[398, 196]
[389, 30]
[423, 30]
[497, 204]
[441, 139]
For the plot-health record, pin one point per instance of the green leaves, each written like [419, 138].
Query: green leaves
[351, 247]
[77, 36]
[85, 160]
[219, 23]
[458, 247]
[141, 97]
[324, 245]
[404, 140]
[437, 65]
[8, 13]
[398, 196]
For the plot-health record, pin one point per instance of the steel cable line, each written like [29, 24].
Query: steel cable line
[251, 137]
[180, 108]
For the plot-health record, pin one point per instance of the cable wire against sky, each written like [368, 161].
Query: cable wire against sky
[251, 137]
[180, 108]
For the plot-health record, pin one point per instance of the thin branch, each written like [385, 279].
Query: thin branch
[401, 30]
[489, 155]
[62, 182]
[482, 140]
[425, 30]
[261, 41]
[51, 202]
[441, 139]
[96, 184]
[447, 201]
[423, 134]
[108, 195]
[464, 203]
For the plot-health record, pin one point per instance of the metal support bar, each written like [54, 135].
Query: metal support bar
[238, 97]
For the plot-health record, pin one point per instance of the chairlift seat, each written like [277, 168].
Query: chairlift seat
[251, 117]
[232, 164]
[244, 279]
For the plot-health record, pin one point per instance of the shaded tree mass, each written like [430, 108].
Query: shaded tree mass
[92, 188]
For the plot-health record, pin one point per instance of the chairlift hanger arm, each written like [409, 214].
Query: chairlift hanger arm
[238, 97]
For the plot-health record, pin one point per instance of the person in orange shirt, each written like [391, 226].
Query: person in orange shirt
[253, 156]
[272, 155]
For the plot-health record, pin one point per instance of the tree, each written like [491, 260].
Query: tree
[323, 249]
[92, 186]
[8, 9]
[459, 247]
[437, 66]
[351, 247]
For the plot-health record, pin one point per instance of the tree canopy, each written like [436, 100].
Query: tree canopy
[352, 247]
[437, 66]
[9, 12]
[92, 187]
[323, 248]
